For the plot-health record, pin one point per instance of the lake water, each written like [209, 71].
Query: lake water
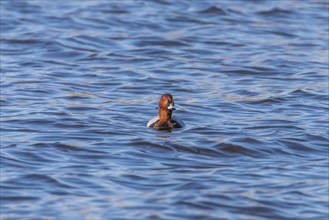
[80, 80]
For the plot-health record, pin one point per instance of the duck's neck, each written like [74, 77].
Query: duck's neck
[164, 116]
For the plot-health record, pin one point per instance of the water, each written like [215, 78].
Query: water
[80, 80]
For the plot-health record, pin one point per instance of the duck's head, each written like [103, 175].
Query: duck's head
[166, 105]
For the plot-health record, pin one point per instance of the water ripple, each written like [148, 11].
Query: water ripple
[80, 80]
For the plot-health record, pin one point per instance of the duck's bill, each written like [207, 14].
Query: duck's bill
[171, 107]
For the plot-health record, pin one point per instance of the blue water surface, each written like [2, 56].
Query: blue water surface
[80, 80]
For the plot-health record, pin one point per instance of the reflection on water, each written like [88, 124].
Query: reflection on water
[79, 81]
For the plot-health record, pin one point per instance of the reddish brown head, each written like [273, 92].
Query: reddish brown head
[165, 108]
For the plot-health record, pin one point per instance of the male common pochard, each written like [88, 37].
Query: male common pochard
[164, 121]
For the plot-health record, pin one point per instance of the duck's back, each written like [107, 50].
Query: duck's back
[173, 123]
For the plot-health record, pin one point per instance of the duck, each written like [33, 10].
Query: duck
[164, 120]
